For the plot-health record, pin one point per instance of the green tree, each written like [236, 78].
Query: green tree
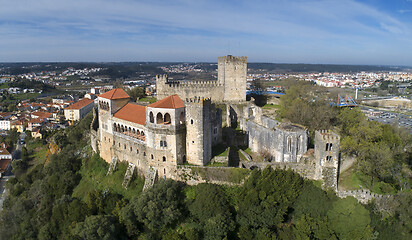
[136, 93]
[350, 220]
[98, 227]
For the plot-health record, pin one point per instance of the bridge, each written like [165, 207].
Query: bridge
[259, 92]
[346, 101]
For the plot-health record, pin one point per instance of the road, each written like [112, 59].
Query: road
[16, 155]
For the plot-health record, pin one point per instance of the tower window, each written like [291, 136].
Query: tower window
[164, 159]
[191, 121]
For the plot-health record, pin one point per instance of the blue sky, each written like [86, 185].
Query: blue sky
[281, 31]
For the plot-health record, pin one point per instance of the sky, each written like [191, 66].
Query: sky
[372, 32]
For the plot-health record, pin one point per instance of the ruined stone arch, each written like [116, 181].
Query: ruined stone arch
[167, 119]
[159, 118]
[151, 117]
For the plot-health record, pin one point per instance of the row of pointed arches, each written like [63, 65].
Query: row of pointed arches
[129, 131]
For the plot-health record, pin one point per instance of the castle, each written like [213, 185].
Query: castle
[183, 125]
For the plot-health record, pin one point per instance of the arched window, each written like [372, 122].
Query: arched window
[130, 131]
[191, 121]
[151, 117]
[330, 146]
[137, 151]
[151, 156]
[138, 134]
[142, 136]
[122, 131]
[131, 149]
[167, 119]
[159, 118]
[164, 159]
[182, 118]
[327, 147]
[115, 127]
[134, 133]
[289, 144]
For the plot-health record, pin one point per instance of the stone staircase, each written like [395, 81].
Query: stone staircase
[151, 177]
[128, 175]
[112, 166]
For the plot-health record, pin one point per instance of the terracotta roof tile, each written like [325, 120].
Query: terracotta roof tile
[80, 104]
[173, 101]
[133, 113]
[116, 93]
[3, 164]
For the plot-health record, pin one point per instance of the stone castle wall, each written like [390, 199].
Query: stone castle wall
[230, 86]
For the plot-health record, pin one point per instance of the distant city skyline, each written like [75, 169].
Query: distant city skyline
[368, 32]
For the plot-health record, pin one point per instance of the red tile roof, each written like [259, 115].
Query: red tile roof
[41, 114]
[80, 104]
[173, 101]
[133, 113]
[116, 93]
[3, 151]
[5, 114]
[3, 164]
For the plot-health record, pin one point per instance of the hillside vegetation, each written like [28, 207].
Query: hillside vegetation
[70, 197]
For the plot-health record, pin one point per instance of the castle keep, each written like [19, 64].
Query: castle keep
[229, 87]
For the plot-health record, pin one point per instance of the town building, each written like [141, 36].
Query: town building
[78, 110]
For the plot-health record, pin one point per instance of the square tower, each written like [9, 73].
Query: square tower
[198, 130]
[327, 157]
[232, 73]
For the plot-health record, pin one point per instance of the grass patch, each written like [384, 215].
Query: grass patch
[271, 106]
[4, 85]
[94, 177]
[216, 164]
[353, 180]
[233, 175]
[148, 99]
[220, 150]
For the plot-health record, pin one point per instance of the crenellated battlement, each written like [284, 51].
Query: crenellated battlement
[234, 58]
[327, 135]
[199, 100]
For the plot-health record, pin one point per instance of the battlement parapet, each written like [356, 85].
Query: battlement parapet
[327, 135]
[234, 58]
[198, 100]
[201, 83]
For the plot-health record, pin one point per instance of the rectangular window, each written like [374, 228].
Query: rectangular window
[161, 143]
